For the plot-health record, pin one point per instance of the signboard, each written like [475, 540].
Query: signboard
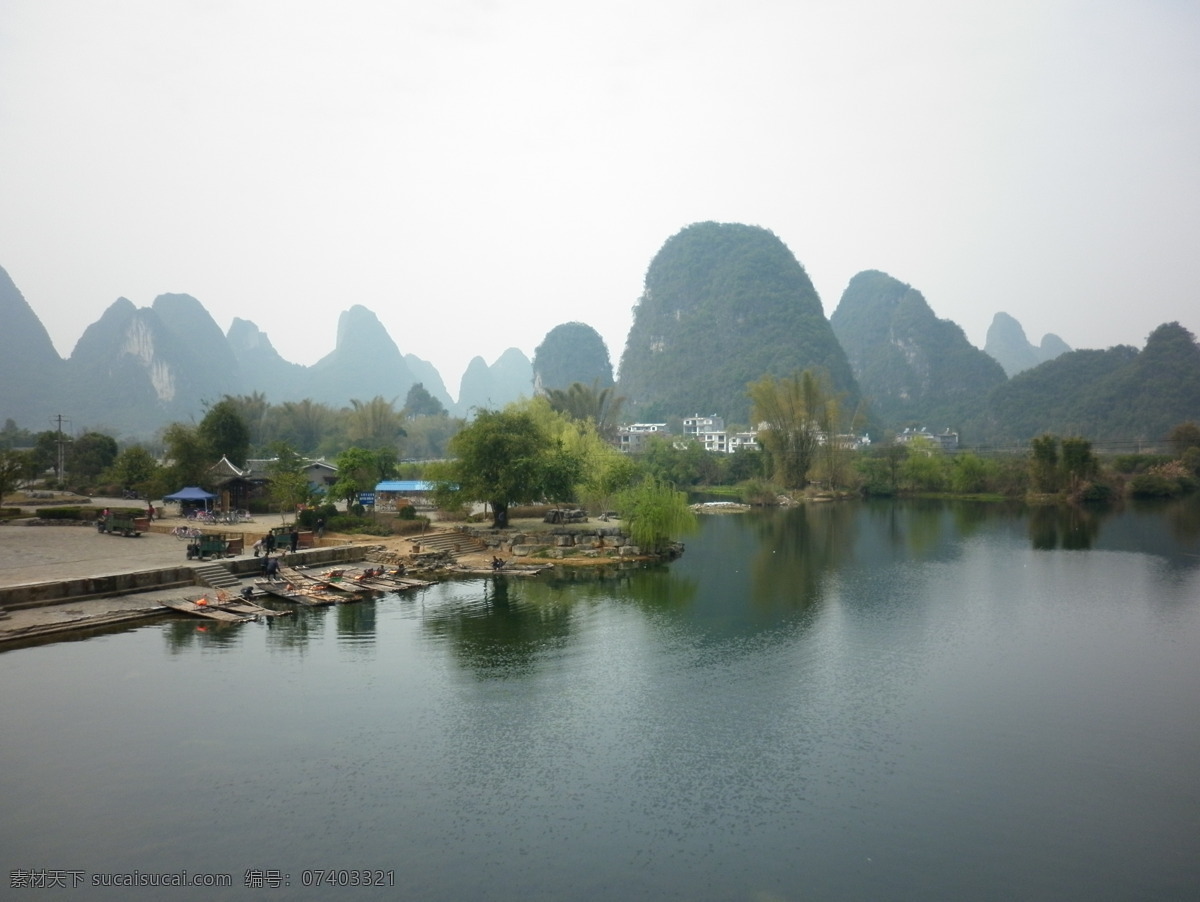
[366, 499]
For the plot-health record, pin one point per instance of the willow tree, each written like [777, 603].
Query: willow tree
[655, 514]
[790, 413]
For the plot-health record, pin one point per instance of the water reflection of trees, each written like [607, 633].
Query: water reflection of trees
[797, 550]
[1183, 519]
[190, 633]
[357, 619]
[500, 633]
[297, 631]
[1070, 527]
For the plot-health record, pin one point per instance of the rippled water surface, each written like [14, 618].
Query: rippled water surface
[901, 701]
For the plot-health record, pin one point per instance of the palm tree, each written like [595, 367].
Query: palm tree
[581, 402]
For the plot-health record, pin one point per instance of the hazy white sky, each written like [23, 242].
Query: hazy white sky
[479, 171]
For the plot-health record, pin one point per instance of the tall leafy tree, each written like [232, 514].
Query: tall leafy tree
[224, 432]
[90, 454]
[790, 412]
[289, 487]
[1079, 464]
[12, 468]
[360, 469]
[45, 451]
[253, 409]
[136, 468]
[302, 424]
[1184, 436]
[420, 403]
[374, 424]
[505, 458]
[1043, 463]
[188, 456]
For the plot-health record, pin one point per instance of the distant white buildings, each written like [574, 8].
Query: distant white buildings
[947, 441]
[710, 432]
[631, 439]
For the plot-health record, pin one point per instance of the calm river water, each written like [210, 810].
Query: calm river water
[910, 701]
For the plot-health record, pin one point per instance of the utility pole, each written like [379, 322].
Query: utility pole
[62, 448]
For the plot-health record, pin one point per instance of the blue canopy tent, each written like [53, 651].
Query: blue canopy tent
[193, 494]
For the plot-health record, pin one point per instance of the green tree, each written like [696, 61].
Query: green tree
[1079, 464]
[505, 458]
[224, 432]
[1184, 436]
[923, 469]
[604, 470]
[429, 437]
[790, 411]
[969, 473]
[90, 454]
[302, 424]
[289, 487]
[45, 452]
[12, 469]
[136, 468]
[656, 513]
[420, 403]
[373, 424]
[678, 463]
[188, 456]
[254, 412]
[360, 470]
[1043, 464]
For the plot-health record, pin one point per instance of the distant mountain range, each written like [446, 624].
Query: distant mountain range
[1007, 343]
[912, 367]
[723, 305]
[136, 369]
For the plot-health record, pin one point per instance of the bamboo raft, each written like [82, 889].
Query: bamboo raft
[349, 581]
[331, 582]
[223, 607]
[300, 594]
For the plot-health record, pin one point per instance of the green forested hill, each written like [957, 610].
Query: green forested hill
[1115, 395]
[571, 352]
[912, 367]
[724, 304]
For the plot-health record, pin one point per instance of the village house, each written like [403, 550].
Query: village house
[947, 441]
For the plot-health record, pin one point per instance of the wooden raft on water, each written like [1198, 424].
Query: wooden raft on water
[223, 607]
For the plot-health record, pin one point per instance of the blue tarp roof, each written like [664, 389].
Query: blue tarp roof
[404, 485]
[191, 493]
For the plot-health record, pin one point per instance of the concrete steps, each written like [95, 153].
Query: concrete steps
[449, 542]
[217, 577]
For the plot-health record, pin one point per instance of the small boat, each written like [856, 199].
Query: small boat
[506, 570]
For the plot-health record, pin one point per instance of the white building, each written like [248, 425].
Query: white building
[631, 439]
